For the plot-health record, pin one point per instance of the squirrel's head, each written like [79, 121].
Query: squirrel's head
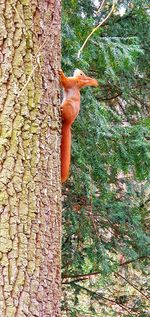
[84, 80]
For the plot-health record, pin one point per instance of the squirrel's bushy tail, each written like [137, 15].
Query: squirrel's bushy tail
[65, 151]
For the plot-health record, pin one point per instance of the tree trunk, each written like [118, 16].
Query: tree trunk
[30, 190]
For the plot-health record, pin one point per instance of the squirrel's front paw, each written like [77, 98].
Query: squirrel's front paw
[60, 71]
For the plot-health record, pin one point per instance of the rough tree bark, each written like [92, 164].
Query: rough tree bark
[30, 190]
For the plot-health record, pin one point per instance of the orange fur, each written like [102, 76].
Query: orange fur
[70, 108]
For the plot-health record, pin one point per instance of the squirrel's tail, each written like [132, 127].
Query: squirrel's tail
[65, 151]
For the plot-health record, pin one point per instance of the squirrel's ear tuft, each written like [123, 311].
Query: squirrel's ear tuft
[78, 72]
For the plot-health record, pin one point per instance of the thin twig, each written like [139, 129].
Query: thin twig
[109, 98]
[20, 18]
[99, 272]
[101, 5]
[134, 260]
[132, 285]
[41, 46]
[34, 68]
[100, 296]
[96, 28]
[29, 78]
[81, 275]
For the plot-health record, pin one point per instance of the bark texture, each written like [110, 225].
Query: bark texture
[30, 190]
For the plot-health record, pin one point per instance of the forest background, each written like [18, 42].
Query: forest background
[107, 197]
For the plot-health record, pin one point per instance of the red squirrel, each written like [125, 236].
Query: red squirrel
[70, 108]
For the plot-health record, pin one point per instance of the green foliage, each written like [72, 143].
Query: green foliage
[106, 198]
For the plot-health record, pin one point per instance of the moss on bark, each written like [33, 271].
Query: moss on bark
[30, 190]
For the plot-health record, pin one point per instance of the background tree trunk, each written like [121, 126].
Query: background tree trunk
[30, 191]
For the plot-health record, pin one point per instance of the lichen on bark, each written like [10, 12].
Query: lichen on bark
[30, 194]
